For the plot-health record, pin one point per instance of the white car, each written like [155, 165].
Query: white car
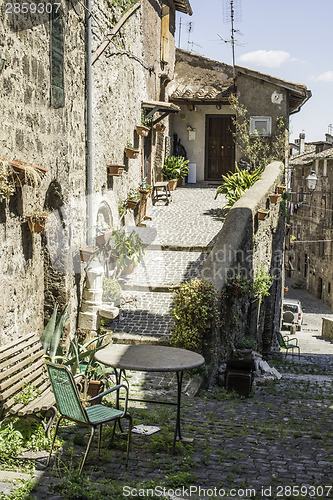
[292, 313]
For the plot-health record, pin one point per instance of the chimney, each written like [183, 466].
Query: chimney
[301, 143]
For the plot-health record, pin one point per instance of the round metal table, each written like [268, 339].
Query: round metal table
[151, 358]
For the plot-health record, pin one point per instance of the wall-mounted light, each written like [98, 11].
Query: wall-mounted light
[218, 106]
[311, 181]
[2, 65]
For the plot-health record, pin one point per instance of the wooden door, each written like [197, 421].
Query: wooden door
[219, 147]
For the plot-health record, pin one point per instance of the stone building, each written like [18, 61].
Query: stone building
[73, 89]
[310, 238]
[202, 88]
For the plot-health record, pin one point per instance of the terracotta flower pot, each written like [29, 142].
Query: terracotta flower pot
[159, 127]
[115, 169]
[103, 238]
[281, 189]
[142, 130]
[87, 252]
[36, 224]
[179, 182]
[274, 198]
[263, 214]
[132, 203]
[173, 184]
[95, 387]
[131, 153]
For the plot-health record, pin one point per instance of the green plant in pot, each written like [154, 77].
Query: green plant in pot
[174, 168]
[111, 290]
[130, 250]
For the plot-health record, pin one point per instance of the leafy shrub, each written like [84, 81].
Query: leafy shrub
[235, 185]
[111, 290]
[194, 306]
[175, 167]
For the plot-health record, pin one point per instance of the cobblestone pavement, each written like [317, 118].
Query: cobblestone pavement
[178, 239]
[275, 444]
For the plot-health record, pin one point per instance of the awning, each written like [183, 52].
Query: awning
[165, 108]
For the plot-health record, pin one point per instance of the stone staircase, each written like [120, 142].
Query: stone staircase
[178, 240]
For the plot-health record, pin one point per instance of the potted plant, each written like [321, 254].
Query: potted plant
[37, 221]
[131, 152]
[115, 169]
[103, 236]
[129, 249]
[263, 214]
[281, 188]
[133, 198]
[159, 127]
[174, 168]
[86, 253]
[274, 198]
[237, 284]
[142, 130]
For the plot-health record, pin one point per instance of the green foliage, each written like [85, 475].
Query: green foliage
[261, 284]
[128, 248]
[7, 184]
[133, 194]
[235, 184]
[23, 491]
[17, 434]
[246, 342]
[51, 336]
[28, 393]
[257, 149]
[175, 167]
[111, 290]
[121, 207]
[194, 306]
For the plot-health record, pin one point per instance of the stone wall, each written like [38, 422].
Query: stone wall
[246, 245]
[327, 328]
[33, 131]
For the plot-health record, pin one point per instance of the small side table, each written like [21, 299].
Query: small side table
[161, 191]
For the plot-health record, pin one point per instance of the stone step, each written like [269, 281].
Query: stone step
[144, 318]
[162, 270]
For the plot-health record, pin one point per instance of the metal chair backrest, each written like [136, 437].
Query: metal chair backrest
[281, 340]
[66, 393]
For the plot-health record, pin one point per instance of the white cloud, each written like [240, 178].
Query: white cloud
[325, 77]
[268, 58]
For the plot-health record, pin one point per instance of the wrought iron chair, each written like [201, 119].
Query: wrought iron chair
[72, 407]
[285, 343]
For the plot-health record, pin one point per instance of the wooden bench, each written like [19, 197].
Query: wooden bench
[23, 369]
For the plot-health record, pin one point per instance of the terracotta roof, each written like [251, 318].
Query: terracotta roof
[198, 78]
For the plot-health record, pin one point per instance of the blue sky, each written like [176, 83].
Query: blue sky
[289, 39]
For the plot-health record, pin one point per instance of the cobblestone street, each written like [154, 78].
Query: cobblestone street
[275, 444]
[178, 239]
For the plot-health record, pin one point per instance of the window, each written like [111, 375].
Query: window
[57, 59]
[261, 125]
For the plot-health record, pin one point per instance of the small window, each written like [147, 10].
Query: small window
[261, 125]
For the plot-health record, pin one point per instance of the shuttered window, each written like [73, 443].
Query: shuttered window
[57, 59]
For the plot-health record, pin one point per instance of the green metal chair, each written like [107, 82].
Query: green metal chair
[285, 343]
[72, 407]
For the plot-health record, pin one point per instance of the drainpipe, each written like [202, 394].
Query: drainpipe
[89, 166]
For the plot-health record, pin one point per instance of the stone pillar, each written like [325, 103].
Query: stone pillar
[92, 296]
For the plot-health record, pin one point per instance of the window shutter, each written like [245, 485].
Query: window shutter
[165, 30]
[57, 60]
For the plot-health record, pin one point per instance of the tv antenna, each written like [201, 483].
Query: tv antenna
[189, 30]
[231, 14]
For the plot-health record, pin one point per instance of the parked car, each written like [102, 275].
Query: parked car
[292, 313]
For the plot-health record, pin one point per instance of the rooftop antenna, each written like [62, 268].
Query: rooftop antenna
[330, 129]
[189, 29]
[232, 13]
